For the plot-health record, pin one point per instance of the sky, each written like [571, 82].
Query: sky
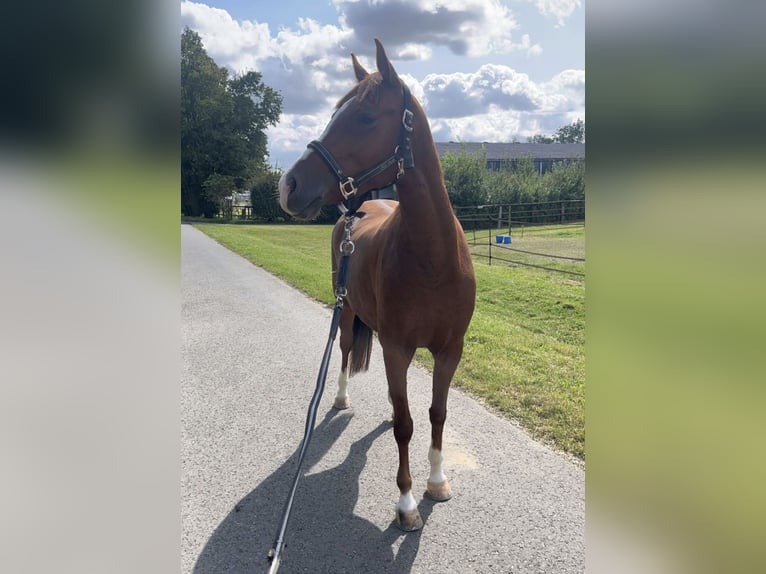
[483, 70]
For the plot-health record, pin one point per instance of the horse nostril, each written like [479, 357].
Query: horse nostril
[291, 184]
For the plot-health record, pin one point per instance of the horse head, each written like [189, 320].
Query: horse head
[360, 148]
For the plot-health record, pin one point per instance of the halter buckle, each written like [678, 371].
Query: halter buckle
[347, 187]
[407, 116]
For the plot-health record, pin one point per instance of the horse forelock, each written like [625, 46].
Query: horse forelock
[365, 89]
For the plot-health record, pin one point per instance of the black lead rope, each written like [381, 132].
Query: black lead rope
[346, 249]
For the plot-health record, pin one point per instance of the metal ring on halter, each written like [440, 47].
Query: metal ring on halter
[347, 247]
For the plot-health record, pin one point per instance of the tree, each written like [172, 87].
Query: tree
[573, 133]
[263, 198]
[223, 128]
[464, 175]
[539, 138]
[216, 187]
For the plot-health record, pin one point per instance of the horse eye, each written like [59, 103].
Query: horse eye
[367, 119]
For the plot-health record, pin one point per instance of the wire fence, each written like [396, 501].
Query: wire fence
[545, 235]
[563, 211]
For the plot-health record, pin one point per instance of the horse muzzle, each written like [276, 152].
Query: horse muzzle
[306, 187]
[296, 200]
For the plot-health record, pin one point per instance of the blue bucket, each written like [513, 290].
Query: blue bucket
[506, 239]
[498, 238]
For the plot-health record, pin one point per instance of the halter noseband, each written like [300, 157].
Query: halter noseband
[402, 157]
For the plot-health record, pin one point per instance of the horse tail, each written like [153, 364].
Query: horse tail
[361, 347]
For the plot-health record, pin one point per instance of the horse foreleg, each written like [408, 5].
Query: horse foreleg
[342, 400]
[445, 363]
[396, 361]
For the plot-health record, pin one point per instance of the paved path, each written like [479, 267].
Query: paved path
[251, 348]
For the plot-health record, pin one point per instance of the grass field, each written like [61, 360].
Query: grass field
[562, 241]
[524, 351]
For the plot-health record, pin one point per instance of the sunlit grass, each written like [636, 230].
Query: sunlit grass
[531, 246]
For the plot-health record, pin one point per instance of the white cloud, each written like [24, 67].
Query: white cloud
[290, 136]
[308, 66]
[567, 90]
[312, 42]
[499, 126]
[459, 94]
[497, 103]
[559, 9]
[238, 45]
[415, 86]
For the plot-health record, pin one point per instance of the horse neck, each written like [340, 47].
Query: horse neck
[423, 201]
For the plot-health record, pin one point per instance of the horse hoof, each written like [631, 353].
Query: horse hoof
[439, 491]
[409, 521]
[342, 403]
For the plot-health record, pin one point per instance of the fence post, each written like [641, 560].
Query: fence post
[489, 242]
[562, 211]
[500, 217]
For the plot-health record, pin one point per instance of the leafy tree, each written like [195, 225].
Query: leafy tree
[464, 175]
[566, 181]
[223, 123]
[216, 187]
[573, 133]
[539, 138]
[263, 196]
[502, 187]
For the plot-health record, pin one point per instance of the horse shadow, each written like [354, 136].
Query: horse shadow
[324, 534]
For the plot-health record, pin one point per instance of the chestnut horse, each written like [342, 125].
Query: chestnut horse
[410, 277]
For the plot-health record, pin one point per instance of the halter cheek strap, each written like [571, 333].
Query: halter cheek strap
[402, 157]
[350, 185]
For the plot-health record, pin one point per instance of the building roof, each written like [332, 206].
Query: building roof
[501, 151]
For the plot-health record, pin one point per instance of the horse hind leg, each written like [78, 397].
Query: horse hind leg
[356, 348]
[438, 487]
[342, 400]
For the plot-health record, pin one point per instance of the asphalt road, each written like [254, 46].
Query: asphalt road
[251, 348]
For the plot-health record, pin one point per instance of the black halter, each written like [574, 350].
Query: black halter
[401, 157]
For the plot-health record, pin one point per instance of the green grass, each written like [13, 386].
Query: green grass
[568, 241]
[299, 254]
[524, 352]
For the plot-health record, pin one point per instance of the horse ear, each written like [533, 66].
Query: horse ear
[385, 68]
[360, 72]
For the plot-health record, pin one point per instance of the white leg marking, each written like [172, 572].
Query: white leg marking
[406, 502]
[342, 386]
[436, 459]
